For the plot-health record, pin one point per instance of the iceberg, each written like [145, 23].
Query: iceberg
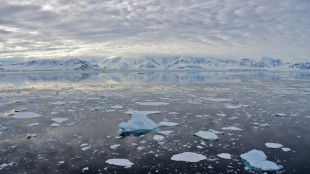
[257, 160]
[210, 136]
[139, 124]
[188, 157]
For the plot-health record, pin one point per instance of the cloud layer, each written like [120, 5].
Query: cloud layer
[97, 28]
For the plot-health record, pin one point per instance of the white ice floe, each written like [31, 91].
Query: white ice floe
[219, 99]
[280, 115]
[58, 103]
[55, 125]
[59, 120]
[20, 109]
[120, 162]
[99, 108]
[165, 132]
[158, 137]
[230, 106]
[257, 160]
[224, 155]
[231, 128]
[152, 103]
[210, 136]
[29, 136]
[26, 115]
[286, 149]
[85, 148]
[117, 107]
[188, 157]
[168, 123]
[142, 112]
[216, 132]
[273, 145]
[139, 123]
[115, 146]
[85, 169]
[33, 124]
[4, 165]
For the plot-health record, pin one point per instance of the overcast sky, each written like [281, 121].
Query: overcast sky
[103, 28]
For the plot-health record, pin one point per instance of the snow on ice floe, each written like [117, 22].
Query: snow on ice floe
[165, 132]
[152, 103]
[59, 120]
[142, 112]
[280, 115]
[231, 128]
[26, 115]
[158, 138]
[117, 107]
[33, 124]
[219, 99]
[257, 160]
[58, 103]
[224, 155]
[120, 162]
[188, 157]
[139, 123]
[273, 145]
[168, 123]
[210, 136]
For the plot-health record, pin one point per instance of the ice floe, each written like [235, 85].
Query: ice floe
[168, 123]
[139, 123]
[4, 165]
[216, 132]
[58, 103]
[115, 146]
[55, 125]
[224, 155]
[142, 112]
[210, 136]
[188, 157]
[26, 115]
[158, 138]
[230, 106]
[117, 107]
[280, 115]
[29, 136]
[120, 162]
[231, 128]
[165, 132]
[59, 120]
[257, 160]
[273, 145]
[286, 149]
[33, 124]
[152, 103]
[219, 99]
[99, 108]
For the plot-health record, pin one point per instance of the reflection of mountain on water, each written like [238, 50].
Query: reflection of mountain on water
[153, 77]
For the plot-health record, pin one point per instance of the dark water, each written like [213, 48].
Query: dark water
[188, 95]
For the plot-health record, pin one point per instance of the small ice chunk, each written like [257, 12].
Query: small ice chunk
[117, 107]
[55, 124]
[85, 169]
[286, 149]
[280, 115]
[139, 123]
[58, 103]
[4, 165]
[140, 148]
[273, 145]
[165, 132]
[59, 120]
[158, 137]
[61, 162]
[33, 124]
[29, 136]
[84, 144]
[99, 108]
[142, 112]
[231, 128]
[257, 160]
[210, 136]
[219, 99]
[120, 162]
[216, 132]
[115, 146]
[152, 103]
[188, 157]
[26, 115]
[85, 148]
[168, 123]
[224, 155]
[20, 109]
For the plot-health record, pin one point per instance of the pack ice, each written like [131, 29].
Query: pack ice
[139, 123]
[257, 160]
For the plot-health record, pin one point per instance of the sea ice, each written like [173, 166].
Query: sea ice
[142, 112]
[216, 132]
[152, 103]
[120, 162]
[29, 136]
[85, 148]
[286, 149]
[26, 115]
[273, 145]
[188, 157]
[59, 120]
[139, 123]
[231, 128]
[224, 155]
[55, 125]
[58, 103]
[117, 107]
[115, 146]
[99, 108]
[257, 160]
[168, 123]
[280, 115]
[219, 99]
[4, 165]
[210, 136]
[20, 109]
[165, 132]
[85, 169]
[158, 138]
[33, 124]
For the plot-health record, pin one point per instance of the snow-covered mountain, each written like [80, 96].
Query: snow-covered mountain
[50, 65]
[159, 63]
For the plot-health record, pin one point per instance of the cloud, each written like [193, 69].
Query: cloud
[221, 28]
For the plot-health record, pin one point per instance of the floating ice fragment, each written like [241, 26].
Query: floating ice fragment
[4, 128]
[85, 148]
[273, 145]
[257, 160]
[26, 115]
[231, 128]
[307, 116]
[4, 165]
[85, 169]
[58, 103]
[59, 120]
[142, 112]
[29, 136]
[158, 138]
[55, 124]
[286, 149]
[165, 132]
[61, 162]
[140, 148]
[138, 124]
[188, 157]
[224, 155]
[99, 108]
[230, 106]
[152, 103]
[216, 132]
[84, 144]
[120, 162]
[117, 107]
[219, 99]
[115, 146]
[280, 115]
[20, 109]
[168, 123]
[33, 124]
[210, 136]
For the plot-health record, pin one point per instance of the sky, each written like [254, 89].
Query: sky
[39, 29]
